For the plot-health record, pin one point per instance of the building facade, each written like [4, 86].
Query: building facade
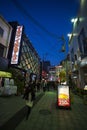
[5, 35]
[78, 47]
[22, 55]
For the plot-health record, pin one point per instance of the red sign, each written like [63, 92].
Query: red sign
[44, 73]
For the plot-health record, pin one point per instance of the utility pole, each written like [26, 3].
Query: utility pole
[64, 50]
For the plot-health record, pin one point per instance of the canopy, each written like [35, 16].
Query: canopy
[5, 74]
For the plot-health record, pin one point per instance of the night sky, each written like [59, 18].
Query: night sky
[45, 21]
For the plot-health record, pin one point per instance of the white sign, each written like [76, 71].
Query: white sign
[16, 48]
[63, 96]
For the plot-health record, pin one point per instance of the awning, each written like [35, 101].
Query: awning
[5, 74]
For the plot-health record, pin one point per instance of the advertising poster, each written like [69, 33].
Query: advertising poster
[63, 96]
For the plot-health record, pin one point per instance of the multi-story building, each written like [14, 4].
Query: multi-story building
[5, 34]
[78, 46]
[52, 73]
[45, 69]
[22, 55]
[18, 56]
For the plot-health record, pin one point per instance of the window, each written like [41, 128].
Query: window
[1, 50]
[1, 32]
[82, 42]
[72, 55]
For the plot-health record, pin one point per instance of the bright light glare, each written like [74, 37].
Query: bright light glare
[69, 35]
[74, 20]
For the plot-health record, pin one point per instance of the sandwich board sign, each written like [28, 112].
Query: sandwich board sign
[63, 99]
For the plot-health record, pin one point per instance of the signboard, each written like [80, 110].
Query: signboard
[16, 48]
[63, 96]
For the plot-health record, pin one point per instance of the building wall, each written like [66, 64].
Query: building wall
[29, 57]
[5, 34]
[78, 43]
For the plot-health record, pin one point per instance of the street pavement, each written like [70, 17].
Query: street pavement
[13, 110]
[45, 114]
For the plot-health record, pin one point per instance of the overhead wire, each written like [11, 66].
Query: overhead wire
[35, 22]
[23, 10]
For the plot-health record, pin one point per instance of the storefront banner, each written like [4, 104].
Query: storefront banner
[17, 43]
[63, 96]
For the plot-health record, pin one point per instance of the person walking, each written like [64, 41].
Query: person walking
[44, 85]
[28, 95]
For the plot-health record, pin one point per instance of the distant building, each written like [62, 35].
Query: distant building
[52, 73]
[58, 70]
[45, 69]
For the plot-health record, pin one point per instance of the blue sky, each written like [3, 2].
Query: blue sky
[45, 21]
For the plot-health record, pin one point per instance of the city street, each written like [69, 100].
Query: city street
[43, 73]
[45, 115]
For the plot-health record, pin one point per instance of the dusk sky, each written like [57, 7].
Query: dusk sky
[45, 21]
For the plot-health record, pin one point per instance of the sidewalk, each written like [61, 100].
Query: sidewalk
[46, 116]
[13, 111]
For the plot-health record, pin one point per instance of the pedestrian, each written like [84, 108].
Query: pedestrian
[44, 85]
[28, 95]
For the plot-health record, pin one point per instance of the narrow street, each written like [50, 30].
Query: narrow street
[46, 116]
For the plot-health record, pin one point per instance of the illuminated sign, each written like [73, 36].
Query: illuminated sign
[63, 96]
[16, 48]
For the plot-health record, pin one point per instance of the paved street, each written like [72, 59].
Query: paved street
[46, 116]
[13, 110]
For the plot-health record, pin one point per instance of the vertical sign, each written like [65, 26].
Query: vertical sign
[63, 96]
[16, 48]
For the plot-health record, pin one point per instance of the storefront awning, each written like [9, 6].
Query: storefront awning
[5, 74]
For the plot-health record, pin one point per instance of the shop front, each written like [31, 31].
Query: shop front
[7, 86]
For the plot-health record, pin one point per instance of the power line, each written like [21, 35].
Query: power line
[35, 22]
[23, 10]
